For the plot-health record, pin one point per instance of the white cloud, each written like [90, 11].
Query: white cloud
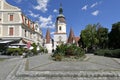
[42, 5]
[33, 15]
[55, 11]
[85, 7]
[95, 13]
[52, 33]
[46, 22]
[93, 5]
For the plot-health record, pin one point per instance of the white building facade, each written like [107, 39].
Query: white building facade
[16, 27]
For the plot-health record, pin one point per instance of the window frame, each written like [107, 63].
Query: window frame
[0, 30]
[60, 28]
[9, 33]
[11, 17]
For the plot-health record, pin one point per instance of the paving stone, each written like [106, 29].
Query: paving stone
[92, 69]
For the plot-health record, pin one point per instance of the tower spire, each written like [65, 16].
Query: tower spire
[60, 10]
[48, 36]
[71, 36]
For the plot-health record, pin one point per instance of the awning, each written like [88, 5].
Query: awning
[18, 44]
[4, 42]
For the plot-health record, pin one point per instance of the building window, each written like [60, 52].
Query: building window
[11, 17]
[0, 30]
[25, 33]
[31, 35]
[25, 20]
[0, 16]
[60, 28]
[11, 30]
[0, 4]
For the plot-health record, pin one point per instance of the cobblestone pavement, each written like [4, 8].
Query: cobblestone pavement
[7, 66]
[93, 63]
[42, 68]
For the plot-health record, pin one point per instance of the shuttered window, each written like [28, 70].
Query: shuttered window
[11, 30]
[11, 17]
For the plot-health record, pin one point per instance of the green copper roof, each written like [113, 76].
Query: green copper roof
[60, 11]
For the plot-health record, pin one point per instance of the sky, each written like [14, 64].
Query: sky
[78, 13]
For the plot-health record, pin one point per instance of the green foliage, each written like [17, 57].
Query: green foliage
[101, 52]
[114, 36]
[61, 49]
[65, 50]
[34, 50]
[89, 36]
[93, 37]
[102, 35]
[79, 52]
[41, 49]
[58, 57]
[73, 50]
[108, 53]
[69, 51]
[28, 52]
[3, 49]
[14, 51]
[45, 51]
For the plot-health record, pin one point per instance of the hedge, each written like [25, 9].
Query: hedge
[109, 53]
[14, 51]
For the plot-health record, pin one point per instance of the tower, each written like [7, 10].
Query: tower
[48, 42]
[71, 36]
[60, 36]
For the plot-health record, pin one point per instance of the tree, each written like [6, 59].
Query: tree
[114, 36]
[102, 34]
[89, 36]
[81, 43]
